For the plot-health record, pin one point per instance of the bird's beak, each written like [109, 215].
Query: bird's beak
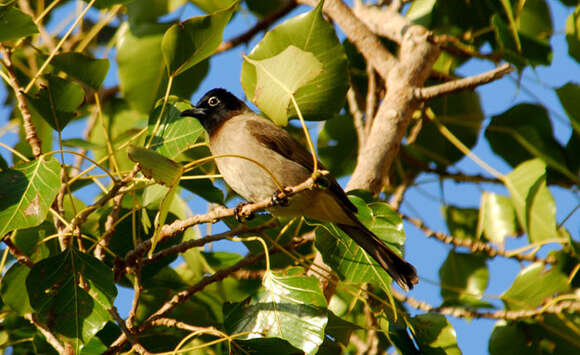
[196, 112]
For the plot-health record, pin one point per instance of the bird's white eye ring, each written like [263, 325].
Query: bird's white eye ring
[213, 101]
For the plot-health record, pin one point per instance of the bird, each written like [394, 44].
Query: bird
[234, 129]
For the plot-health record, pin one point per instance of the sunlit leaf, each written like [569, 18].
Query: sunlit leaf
[188, 43]
[26, 193]
[15, 24]
[155, 166]
[321, 97]
[533, 285]
[279, 77]
[71, 293]
[349, 260]
[534, 204]
[498, 217]
[13, 294]
[288, 307]
[212, 5]
[143, 11]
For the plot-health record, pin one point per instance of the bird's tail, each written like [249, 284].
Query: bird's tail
[401, 271]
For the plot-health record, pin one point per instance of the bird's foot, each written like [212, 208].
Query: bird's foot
[239, 213]
[280, 198]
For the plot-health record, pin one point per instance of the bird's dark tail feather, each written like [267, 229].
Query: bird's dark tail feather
[401, 271]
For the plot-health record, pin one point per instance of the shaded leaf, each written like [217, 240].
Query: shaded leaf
[288, 307]
[263, 8]
[155, 166]
[337, 145]
[568, 95]
[508, 338]
[12, 291]
[524, 132]
[57, 101]
[461, 222]
[56, 293]
[141, 81]
[534, 204]
[150, 10]
[26, 193]
[188, 43]
[573, 34]
[533, 285]
[85, 69]
[174, 134]
[15, 24]
[435, 335]
[464, 279]
[321, 97]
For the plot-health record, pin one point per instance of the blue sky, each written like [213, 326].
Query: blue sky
[425, 201]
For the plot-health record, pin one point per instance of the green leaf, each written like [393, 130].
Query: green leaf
[568, 95]
[188, 43]
[533, 285]
[174, 134]
[507, 6]
[461, 222]
[321, 97]
[508, 338]
[103, 4]
[12, 291]
[278, 79]
[498, 217]
[535, 50]
[573, 34]
[155, 166]
[26, 193]
[420, 12]
[150, 10]
[15, 24]
[263, 8]
[212, 5]
[142, 72]
[464, 279]
[337, 335]
[435, 335]
[337, 146]
[534, 204]
[57, 101]
[55, 286]
[516, 137]
[349, 260]
[462, 114]
[87, 70]
[288, 307]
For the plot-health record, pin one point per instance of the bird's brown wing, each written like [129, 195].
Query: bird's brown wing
[280, 141]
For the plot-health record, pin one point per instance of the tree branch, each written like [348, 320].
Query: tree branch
[458, 312]
[48, 335]
[475, 246]
[424, 94]
[129, 336]
[28, 125]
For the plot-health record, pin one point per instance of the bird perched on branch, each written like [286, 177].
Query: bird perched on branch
[274, 159]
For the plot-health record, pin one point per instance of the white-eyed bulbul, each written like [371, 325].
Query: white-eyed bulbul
[235, 129]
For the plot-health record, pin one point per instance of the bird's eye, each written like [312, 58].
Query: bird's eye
[213, 101]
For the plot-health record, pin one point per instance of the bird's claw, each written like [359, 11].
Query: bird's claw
[239, 213]
[280, 198]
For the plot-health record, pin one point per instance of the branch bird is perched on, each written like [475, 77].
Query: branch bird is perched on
[234, 129]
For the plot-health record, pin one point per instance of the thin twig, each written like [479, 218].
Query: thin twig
[110, 224]
[424, 94]
[50, 337]
[136, 346]
[173, 323]
[458, 312]
[260, 26]
[474, 245]
[17, 253]
[28, 125]
[357, 116]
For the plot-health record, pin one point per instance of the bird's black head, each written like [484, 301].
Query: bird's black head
[214, 108]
